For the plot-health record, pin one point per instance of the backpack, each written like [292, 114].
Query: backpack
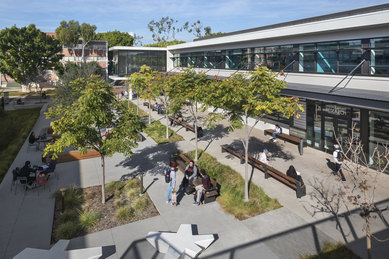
[340, 156]
[167, 175]
[280, 130]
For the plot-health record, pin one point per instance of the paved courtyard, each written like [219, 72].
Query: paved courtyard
[26, 219]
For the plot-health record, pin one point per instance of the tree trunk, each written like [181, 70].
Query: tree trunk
[83, 52]
[246, 167]
[195, 131]
[141, 183]
[102, 179]
[167, 124]
[149, 112]
[368, 238]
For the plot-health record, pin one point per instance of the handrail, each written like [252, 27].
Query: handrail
[351, 72]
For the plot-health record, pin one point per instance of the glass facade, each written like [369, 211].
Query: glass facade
[336, 57]
[126, 62]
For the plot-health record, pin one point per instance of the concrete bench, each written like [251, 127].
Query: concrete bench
[299, 187]
[292, 139]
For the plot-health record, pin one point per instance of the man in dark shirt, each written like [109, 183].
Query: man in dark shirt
[26, 170]
[33, 140]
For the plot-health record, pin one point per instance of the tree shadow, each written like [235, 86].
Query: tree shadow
[150, 160]
[256, 146]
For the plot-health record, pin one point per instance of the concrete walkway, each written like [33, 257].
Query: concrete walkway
[26, 219]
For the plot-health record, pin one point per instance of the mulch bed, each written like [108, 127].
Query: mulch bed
[92, 201]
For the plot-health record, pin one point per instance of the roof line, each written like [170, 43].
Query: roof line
[364, 10]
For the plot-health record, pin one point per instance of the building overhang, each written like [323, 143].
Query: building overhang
[136, 48]
[374, 100]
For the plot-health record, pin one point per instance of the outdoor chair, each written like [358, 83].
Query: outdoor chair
[41, 182]
[21, 180]
[51, 170]
[29, 146]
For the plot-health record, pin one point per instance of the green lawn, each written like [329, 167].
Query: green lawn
[157, 131]
[232, 189]
[16, 126]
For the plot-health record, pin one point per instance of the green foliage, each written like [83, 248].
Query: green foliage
[72, 198]
[88, 219]
[213, 34]
[114, 185]
[333, 251]
[232, 187]
[156, 131]
[125, 213]
[26, 52]
[120, 203]
[132, 193]
[87, 33]
[18, 124]
[68, 33]
[131, 184]
[68, 92]
[67, 230]
[140, 204]
[164, 29]
[116, 38]
[164, 44]
[69, 215]
[132, 108]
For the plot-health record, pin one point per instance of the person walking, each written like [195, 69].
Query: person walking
[170, 178]
[338, 159]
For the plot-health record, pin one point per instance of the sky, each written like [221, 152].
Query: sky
[134, 15]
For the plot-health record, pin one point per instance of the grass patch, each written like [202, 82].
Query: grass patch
[13, 93]
[67, 230]
[125, 213]
[89, 219]
[114, 185]
[140, 204]
[231, 189]
[17, 125]
[333, 251]
[157, 131]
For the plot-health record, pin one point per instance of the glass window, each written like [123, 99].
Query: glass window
[327, 46]
[326, 61]
[350, 44]
[306, 62]
[379, 133]
[379, 56]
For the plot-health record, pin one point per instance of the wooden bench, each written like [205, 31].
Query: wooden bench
[75, 155]
[299, 187]
[154, 108]
[210, 195]
[295, 140]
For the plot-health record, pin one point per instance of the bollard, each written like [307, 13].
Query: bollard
[301, 146]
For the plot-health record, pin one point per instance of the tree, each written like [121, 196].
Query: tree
[164, 29]
[87, 33]
[116, 38]
[362, 174]
[242, 97]
[197, 29]
[164, 44]
[82, 125]
[188, 88]
[65, 92]
[68, 34]
[25, 53]
[145, 85]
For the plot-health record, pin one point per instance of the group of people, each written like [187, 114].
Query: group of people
[190, 183]
[34, 173]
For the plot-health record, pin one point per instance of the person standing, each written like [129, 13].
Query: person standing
[170, 178]
[338, 159]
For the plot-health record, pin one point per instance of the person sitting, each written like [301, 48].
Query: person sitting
[32, 140]
[19, 101]
[263, 157]
[44, 95]
[294, 174]
[190, 175]
[277, 132]
[27, 171]
[206, 182]
[200, 132]
[179, 117]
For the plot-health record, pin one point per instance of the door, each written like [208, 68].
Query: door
[329, 132]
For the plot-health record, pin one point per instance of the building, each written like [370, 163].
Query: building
[128, 60]
[337, 64]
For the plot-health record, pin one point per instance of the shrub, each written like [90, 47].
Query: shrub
[69, 215]
[72, 198]
[119, 203]
[333, 251]
[67, 230]
[132, 193]
[131, 184]
[114, 185]
[89, 219]
[125, 213]
[140, 204]
[117, 193]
